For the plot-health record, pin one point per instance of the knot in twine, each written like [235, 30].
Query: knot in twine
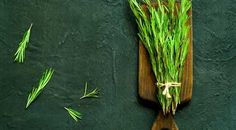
[167, 86]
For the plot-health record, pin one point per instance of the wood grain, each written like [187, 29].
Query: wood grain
[164, 123]
[147, 89]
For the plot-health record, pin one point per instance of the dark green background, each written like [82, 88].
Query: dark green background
[96, 41]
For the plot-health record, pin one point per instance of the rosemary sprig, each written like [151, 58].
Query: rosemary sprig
[42, 83]
[20, 53]
[164, 34]
[74, 114]
[92, 94]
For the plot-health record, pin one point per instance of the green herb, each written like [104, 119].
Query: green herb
[164, 33]
[20, 53]
[42, 83]
[74, 114]
[92, 94]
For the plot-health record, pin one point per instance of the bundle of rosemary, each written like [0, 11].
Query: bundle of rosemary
[163, 30]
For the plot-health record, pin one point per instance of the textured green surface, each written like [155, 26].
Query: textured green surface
[96, 41]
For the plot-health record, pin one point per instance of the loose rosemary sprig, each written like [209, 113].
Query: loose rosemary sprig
[74, 114]
[164, 33]
[20, 53]
[42, 83]
[92, 94]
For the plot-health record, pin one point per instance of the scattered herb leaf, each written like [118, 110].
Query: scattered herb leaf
[74, 114]
[42, 83]
[20, 53]
[92, 94]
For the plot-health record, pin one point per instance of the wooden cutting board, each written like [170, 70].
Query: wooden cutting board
[147, 89]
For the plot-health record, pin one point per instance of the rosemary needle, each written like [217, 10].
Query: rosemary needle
[20, 53]
[92, 94]
[74, 114]
[42, 83]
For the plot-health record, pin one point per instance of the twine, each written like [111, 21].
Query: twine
[167, 86]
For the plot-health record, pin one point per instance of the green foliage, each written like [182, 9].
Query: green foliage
[92, 94]
[74, 114]
[164, 33]
[42, 83]
[20, 53]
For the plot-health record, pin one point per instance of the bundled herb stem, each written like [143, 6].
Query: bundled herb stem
[164, 31]
[20, 53]
[42, 83]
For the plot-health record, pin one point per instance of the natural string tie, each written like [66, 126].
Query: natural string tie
[167, 86]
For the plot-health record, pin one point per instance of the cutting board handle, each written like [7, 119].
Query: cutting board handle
[164, 122]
